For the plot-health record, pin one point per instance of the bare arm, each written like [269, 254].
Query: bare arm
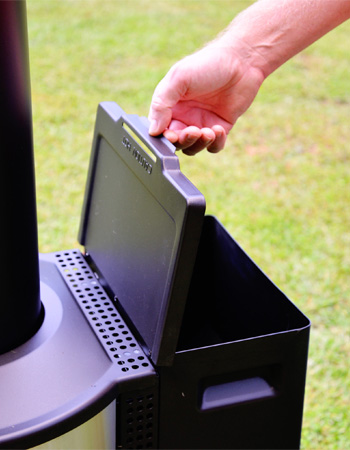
[276, 30]
[199, 100]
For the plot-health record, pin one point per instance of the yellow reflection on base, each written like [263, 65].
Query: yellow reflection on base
[97, 433]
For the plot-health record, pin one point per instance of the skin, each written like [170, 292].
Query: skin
[201, 97]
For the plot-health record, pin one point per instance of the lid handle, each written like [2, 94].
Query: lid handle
[161, 151]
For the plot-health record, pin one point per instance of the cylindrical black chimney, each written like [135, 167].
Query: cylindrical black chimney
[20, 305]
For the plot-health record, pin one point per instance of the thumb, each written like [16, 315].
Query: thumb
[166, 95]
[160, 117]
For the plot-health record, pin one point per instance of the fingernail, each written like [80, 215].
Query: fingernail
[153, 127]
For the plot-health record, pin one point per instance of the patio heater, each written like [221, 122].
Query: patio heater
[162, 333]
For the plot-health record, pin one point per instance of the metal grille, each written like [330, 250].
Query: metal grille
[108, 325]
[138, 420]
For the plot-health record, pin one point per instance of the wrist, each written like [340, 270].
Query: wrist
[237, 50]
[259, 48]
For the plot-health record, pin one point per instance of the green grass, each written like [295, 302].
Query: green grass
[281, 186]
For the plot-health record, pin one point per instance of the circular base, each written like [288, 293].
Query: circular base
[59, 378]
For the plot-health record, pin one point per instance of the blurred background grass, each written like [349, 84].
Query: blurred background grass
[281, 186]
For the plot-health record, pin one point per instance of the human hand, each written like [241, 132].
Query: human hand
[202, 96]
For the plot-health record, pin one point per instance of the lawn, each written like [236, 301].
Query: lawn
[281, 186]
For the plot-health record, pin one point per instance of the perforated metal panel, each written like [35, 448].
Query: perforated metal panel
[100, 311]
[138, 420]
[136, 411]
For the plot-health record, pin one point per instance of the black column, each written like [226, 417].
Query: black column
[20, 306]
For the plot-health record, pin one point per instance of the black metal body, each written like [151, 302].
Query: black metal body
[165, 315]
[20, 308]
[227, 372]
[140, 225]
[75, 365]
[238, 375]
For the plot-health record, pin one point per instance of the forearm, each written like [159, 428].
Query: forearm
[272, 31]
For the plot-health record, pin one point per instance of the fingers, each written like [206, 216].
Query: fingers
[192, 140]
[188, 137]
[220, 139]
[171, 135]
[193, 143]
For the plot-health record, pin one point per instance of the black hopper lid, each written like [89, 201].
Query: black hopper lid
[141, 224]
